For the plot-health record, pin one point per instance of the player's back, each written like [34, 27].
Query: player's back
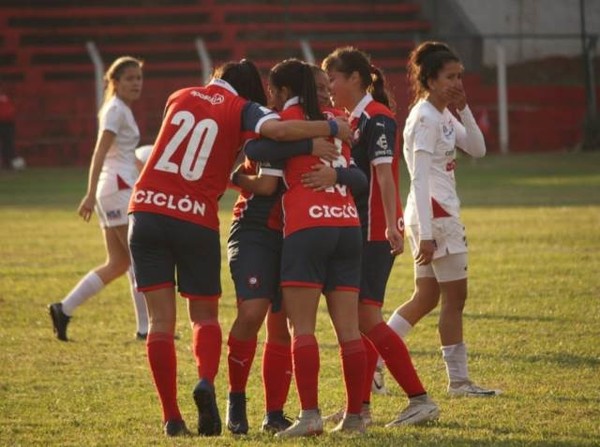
[194, 152]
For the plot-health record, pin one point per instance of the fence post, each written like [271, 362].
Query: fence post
[204, 60]
[98, 71]
[502, 98]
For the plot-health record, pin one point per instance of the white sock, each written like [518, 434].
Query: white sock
[400, 326]
[139, 304]
[89, 285]
[455, 357]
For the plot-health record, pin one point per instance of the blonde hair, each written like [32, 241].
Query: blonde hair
[115, 71]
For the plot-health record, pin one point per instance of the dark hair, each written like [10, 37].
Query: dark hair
[115, 71]
[298, 77]
[244, 77]
[424, 63]
[347, 60]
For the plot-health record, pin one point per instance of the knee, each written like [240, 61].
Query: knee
[250, 317]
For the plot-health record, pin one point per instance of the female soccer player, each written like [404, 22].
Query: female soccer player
[174, 223]
[435, 231]
[113, 172]
[358, 87]
[321, 253]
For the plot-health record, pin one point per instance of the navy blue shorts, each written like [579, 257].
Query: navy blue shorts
[376, 268]
[254, 259]
[161, 245]
[327, 258]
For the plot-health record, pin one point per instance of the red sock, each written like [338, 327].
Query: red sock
[353, 364]
[207, 348]
[277, 375]
[305, 356]
[397, 359]
[162, 358]
[371, 356]
[239, 358]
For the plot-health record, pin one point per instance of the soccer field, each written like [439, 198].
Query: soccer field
[532, 322]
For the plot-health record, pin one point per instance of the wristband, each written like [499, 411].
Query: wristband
[333, 128]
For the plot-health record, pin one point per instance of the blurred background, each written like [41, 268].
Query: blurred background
[532, 65]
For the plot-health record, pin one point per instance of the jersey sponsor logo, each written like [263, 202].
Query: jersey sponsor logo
[215, 99]
[332, 212]
[382, 142]
[169, 201]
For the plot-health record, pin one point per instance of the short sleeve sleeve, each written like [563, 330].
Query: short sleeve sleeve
[381, 139]
[112, 119]
[426, 131]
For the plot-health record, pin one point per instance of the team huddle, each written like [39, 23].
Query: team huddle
[318, 213]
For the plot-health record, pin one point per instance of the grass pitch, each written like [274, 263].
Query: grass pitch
[532, 322]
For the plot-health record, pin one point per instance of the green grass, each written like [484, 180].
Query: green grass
[532, 322]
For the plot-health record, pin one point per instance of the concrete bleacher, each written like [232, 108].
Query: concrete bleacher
[44, 63]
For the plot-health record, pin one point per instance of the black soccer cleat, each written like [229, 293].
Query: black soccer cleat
[60, 320]
[275, 421]
[209, 420]
[237, 420]
[176, 428]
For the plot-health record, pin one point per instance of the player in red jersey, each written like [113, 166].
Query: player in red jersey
[321, 253]
[174, 222]
[358, 87]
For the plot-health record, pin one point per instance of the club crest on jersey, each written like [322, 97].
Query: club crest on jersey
[253, 282]
[448, 130]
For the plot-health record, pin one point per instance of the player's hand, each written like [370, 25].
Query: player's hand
[344, 131]
[425, 254]
[86, 207]
[324, 149]
[457, 97]
[320, 178]
[395, 239]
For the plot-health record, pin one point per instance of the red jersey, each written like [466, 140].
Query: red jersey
[375, 141]
[305, 208]
[194, 152]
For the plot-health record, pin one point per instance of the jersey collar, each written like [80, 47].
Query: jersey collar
[291, 102]
[360, 107]
[224, 84]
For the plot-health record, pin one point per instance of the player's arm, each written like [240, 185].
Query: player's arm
[262, 185]
[266, 149]
[105, 141]
[322, 177]
[293, 130]
[388, 191]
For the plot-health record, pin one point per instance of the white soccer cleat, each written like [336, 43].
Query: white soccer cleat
[338, 416]
[351, 423]
[378, 384]
[309, 423]
[471, 390]
[420, 409]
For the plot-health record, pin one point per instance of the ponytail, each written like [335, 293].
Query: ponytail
[298, 77]
[244, 77]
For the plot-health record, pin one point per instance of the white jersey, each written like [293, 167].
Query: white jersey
[433, 193]
[119, 169]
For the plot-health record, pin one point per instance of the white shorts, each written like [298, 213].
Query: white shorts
[450, 255]
[445, 269]
[112, 209]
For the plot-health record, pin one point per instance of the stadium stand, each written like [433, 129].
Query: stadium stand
[43, 58]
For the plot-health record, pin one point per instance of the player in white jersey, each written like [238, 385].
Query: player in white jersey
[113, 171]
[435, 231]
